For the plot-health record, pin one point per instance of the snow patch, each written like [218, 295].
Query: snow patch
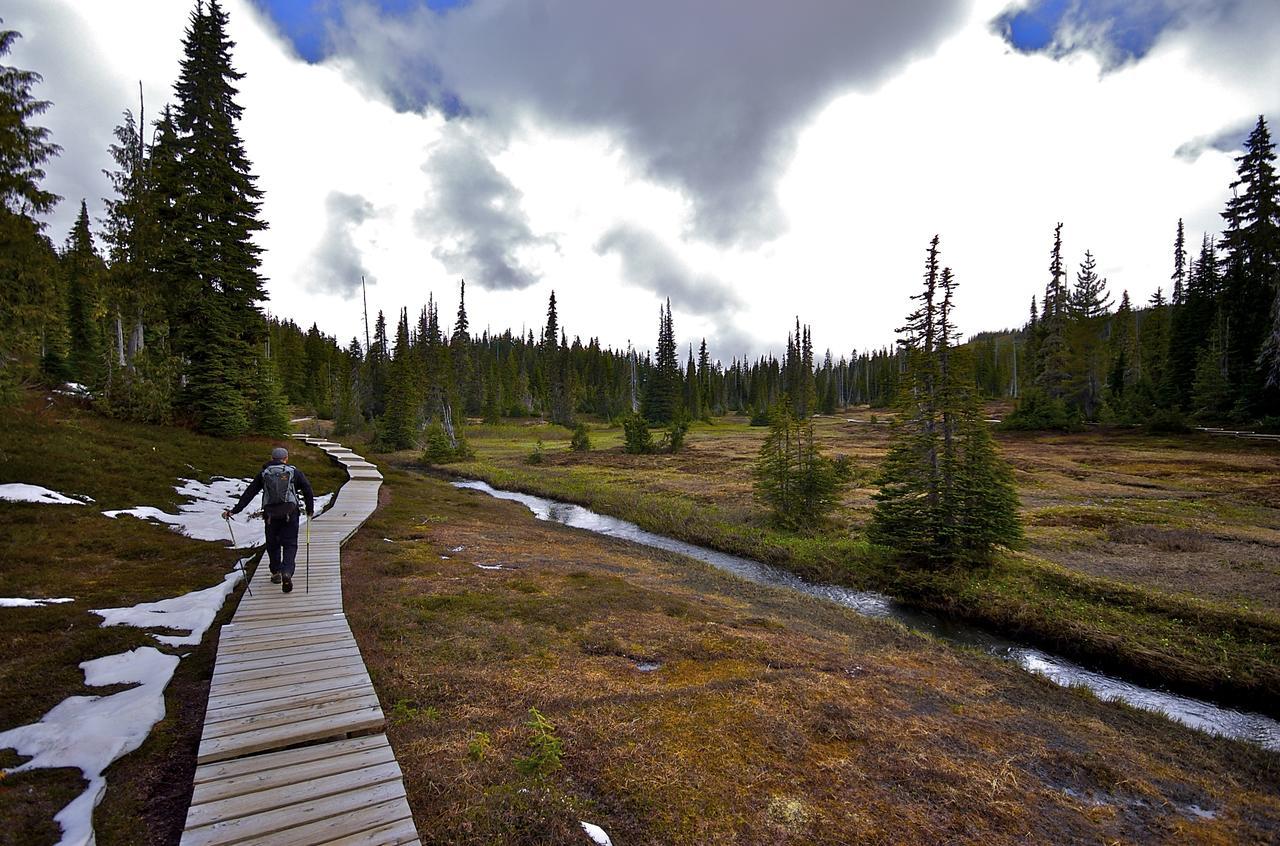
[19, 602]
[21, 492]
[89, 732]
[201, 517]
[192, 611]
[457, 549]
[596, 833]
[488, 566]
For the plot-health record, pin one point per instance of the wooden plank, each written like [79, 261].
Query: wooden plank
[323, 817]
[274, 765]
[333, 687]
[254, 681]
[279, 642]
[282, 796]
[290, 663]
[318, 821]
[391, 834]
[263, 716]
[287, 758]
[266, 691]
[240, 785]
[277, 737]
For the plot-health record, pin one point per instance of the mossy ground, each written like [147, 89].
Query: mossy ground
[773, 717]
[74, 551]
[1157, 556]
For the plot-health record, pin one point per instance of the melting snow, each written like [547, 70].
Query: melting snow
[19, 602]
[192, 611]
[487, 566]
[20, 492]
[201, 518]
[89, 732]
[596, 833]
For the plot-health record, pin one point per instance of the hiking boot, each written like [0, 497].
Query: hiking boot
[275, 578]
[287, 587]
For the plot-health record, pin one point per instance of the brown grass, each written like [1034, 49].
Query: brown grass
[50, 551]
[774, 718]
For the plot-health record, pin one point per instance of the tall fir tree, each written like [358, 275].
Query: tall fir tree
[662, 401]
[32, 319]
[398, 427]
[212, 270]
[1088, 304]
[945, 497]
[83, 271]
[1251, 247]
[1053, 365]
[1179, 277]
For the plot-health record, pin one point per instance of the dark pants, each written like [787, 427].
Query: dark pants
[282, 544]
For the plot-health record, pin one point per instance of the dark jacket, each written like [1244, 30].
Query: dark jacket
[300, 484]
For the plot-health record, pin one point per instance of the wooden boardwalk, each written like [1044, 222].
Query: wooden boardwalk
[293, 751]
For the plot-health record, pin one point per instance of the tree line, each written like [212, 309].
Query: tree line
[168, 323]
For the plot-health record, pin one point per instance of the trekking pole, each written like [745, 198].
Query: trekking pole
[308, 555]
[239, 563]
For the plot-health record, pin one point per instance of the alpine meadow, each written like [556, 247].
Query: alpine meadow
[655, 445]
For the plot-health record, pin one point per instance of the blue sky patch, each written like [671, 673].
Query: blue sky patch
[1118, 31]
[305, 22]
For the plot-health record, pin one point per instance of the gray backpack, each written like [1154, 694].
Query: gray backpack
[279, 498]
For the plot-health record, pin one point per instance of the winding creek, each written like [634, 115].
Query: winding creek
[1196, 713]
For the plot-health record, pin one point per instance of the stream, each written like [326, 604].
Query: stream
[1196, 713]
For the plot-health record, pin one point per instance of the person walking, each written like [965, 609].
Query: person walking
[280, 483]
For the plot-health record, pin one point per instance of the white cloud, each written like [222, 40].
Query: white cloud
[986, 146]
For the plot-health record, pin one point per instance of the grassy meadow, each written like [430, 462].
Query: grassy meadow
[689, 706]
[1155, 555]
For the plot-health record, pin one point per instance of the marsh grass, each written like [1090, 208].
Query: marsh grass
[774, 717]
[1147, 554]
[75, 551]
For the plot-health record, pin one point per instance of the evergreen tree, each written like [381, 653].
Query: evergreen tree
[398, 427]
[792, 477]
[1179, 277]
[347, 417]
[24, 147]
[1088, 304]
[31, 303]
[212, 270]
[1251, 244]
[1191, 325]
[662, 392]
[944, 494]
[1211, 393]
[83, 271]
[1120, 375]
[270, 415]
[1053, 366]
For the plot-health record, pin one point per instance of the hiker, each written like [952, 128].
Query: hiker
[279, 481]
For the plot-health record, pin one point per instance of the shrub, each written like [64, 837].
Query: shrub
[760, 417]
[1037, 412]
[581, 440]
[638, 440]
[673, 440]
[439, 449]
[793, 478]
[1167, 421]
[478, 746]
[537, 456]
[545, 748]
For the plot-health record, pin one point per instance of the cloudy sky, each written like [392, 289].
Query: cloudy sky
[752, 161]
